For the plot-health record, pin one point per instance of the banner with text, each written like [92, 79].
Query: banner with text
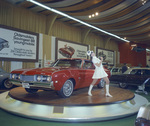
[108, 55]
[18, 45]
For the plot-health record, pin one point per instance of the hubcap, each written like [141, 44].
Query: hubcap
[68, 88]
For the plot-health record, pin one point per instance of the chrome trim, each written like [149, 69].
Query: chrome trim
[33, 84]
[30, 78]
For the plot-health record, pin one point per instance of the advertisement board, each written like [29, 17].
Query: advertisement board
[18, 45]
[68, 49]
[108, 55]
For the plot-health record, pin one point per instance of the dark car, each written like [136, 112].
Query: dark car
[4, 79]
[133, 76]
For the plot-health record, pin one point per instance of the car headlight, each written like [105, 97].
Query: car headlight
[13, 76]
[48, 78]
[19, 76]
[39, 78]
[43, 78]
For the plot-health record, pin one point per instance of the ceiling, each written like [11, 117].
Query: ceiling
[124, 18]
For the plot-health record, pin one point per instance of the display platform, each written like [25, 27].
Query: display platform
[47, 105]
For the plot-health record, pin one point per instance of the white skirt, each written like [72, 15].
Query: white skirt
[99, 73]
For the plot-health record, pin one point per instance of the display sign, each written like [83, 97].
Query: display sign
[108, 55]
[67, 49]
[18, 45]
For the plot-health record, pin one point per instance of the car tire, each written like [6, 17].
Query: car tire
[101, 84]
[29, 90]
[66, 90]
[123, 85]
[6, 84]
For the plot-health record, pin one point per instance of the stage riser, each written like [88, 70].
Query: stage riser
[71, 113]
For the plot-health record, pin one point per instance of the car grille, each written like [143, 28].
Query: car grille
[27, 78]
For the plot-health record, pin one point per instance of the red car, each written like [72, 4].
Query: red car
[64, 76]
[67, 51]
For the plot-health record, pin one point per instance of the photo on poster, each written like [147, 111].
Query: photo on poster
[68, 49]
[108, 55]
[18, 45]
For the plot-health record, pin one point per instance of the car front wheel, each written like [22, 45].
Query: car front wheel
[123, 85]
[66, 90]
[101, 84]
[31, 90]
[7, 84]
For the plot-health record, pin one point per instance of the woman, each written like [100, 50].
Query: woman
[99, 73]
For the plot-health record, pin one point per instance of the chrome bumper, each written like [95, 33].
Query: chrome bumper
[33, 84]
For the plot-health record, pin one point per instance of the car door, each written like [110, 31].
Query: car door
[134, 77]
[145, 75]
[86, 73]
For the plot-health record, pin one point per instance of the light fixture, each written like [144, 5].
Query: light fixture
[90, 16]
[75, 19]
[93, 15]
[144, 1]
[96, 13]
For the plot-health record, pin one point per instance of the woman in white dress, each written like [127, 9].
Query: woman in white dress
[99, 73]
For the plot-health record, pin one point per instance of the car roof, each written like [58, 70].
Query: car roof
[74, 58]
[140, 68]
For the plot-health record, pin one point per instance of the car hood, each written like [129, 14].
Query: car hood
[42, 71]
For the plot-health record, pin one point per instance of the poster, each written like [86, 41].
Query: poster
[108, 55]
[18, 45]
[67, 49]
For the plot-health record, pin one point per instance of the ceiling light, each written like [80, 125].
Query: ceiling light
[93, 15]
[96, 13]
[75, 19]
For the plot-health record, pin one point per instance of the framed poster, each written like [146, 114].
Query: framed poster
[18, 45]
[68, 49]
[108, 55]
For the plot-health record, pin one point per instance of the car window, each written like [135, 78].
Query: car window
[120, 70]
[135, 72]
[68, 63]
[115, 70]
[88, 65]
[146, 72]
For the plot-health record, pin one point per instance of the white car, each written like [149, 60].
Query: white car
[116, 70]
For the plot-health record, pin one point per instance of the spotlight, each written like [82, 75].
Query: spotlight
[93, 15]
[96, 13]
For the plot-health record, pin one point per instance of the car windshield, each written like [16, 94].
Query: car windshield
[137, 72]
[68, 63]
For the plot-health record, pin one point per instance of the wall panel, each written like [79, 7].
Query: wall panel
[21, 18]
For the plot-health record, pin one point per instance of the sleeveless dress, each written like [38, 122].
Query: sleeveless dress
[99, 71]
